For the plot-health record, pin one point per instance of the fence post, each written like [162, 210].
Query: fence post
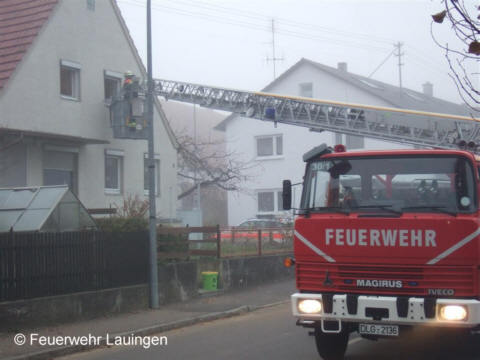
[259, 242]
[219, 251]
[11, 267]
[97, 275]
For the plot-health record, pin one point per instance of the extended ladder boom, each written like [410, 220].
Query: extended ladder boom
[389, 124]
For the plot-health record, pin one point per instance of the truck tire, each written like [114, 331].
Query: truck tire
[331, 346]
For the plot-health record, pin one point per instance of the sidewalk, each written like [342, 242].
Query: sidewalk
[147, 322]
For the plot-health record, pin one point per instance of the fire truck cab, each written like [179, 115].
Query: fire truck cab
[386, 241]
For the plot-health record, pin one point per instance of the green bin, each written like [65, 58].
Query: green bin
[209, 279]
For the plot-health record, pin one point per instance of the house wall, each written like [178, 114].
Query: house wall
[31, 101]
[296, 140]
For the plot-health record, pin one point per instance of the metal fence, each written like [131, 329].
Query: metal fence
[256, 242]
[34, 265]
[174, 243]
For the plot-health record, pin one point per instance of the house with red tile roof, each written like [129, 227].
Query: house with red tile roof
[61, 62]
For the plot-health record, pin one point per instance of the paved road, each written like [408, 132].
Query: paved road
[271, 334]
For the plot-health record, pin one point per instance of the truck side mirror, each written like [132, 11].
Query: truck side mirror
[287, 194]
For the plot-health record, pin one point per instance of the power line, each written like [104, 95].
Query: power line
[383, 62]
[424, 59]
[257, 27]
[286, 31]
[287, 22]
[200, 16]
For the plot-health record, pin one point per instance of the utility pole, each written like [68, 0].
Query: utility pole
[151, 170]
[399, 53]
[273, 59]
[195, 174]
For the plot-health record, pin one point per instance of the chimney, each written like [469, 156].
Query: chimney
[342, 66]
[428, 89]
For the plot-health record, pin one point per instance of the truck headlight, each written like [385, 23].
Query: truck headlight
[453, 313]
[309, 306]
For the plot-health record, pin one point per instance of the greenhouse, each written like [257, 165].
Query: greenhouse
[42, 208]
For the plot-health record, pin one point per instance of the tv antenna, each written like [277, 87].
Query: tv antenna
[273, 58]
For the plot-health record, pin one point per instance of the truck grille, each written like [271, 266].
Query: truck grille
[437, 281]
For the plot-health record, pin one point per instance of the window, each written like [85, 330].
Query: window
[112, 81]
[391, 184]
[270, 201]
[157, 175]
[91, 5]
[306, 90]
[372, 85]
[279, 200]
[70, 80]
[13, 165]
[60, 166]
[265, 201]
[355, 142]
[113, 171]
[352, 142]
[338, 138]
[269, 146]
[414, 96]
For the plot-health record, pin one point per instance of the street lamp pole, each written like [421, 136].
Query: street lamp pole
[151, 170]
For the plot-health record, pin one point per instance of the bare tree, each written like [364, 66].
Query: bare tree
[207, 162]
[464, 18]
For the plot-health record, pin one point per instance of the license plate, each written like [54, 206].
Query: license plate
[387, 330]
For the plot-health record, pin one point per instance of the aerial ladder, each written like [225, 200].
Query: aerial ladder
[382, 123]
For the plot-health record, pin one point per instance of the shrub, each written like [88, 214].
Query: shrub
[131, 215]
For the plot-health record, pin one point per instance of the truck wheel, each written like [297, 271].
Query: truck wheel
[331, 346]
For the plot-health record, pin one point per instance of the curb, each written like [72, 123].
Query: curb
[72, 349]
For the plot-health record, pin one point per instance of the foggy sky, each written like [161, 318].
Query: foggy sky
[227, 43]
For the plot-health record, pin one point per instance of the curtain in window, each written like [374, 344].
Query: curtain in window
[265, 201]
[59, 168]
[280, 200]
[265, 147]
[279, 145]
[112, 180]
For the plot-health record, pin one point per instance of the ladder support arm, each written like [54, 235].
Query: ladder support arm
[382, 123]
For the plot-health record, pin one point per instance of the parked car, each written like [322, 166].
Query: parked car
[259, 224]
[247, 231]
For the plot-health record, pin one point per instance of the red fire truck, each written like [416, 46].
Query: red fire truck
[384, 241]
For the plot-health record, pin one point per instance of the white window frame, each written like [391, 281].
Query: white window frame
[303, 91]
[115, 76]
[119, 155]
[276, 194]
[74, 69]
[275, 149]
[157, 174]
[67, 149]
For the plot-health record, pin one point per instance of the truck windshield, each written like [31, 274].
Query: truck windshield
[406, 184]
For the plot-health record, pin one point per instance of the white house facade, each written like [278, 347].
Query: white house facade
[278, 150]
[55, 125]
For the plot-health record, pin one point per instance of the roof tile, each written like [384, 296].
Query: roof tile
[20, 22]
